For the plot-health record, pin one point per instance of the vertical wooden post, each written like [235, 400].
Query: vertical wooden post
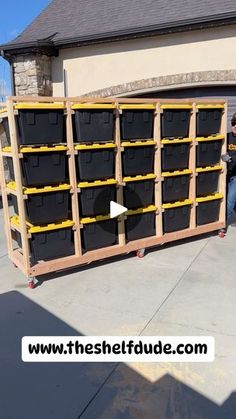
[192, 166]
[73, 180]
[157, 170]
[19, 186]
[6, 213]
[222, 179]
[118, 170]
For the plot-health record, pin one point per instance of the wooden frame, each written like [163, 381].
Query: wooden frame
[21, 257]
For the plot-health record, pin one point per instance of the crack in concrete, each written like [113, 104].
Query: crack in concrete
[98, 390]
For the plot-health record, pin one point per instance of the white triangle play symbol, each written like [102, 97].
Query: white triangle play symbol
[116, 209]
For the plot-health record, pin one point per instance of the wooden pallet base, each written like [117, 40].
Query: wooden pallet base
[42, 268]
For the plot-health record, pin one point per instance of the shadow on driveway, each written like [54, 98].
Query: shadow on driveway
[84, 390]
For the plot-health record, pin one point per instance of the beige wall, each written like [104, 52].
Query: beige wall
[100, 66]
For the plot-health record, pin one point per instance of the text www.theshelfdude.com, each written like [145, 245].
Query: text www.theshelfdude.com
[118, 349]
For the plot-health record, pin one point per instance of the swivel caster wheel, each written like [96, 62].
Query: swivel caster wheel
[32, 283]
[222, 233]
[140, 253]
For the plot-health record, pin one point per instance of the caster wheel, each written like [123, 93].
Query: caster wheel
[140, 253]
[222, 233]
[31, 285]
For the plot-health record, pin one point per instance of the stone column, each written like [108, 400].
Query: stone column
[32, 74]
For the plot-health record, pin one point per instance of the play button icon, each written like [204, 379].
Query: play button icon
[116, 209]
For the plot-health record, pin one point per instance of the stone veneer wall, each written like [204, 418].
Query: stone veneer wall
[183, 80]
[32, 75]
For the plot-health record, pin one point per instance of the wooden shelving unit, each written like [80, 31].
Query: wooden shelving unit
[21, 257]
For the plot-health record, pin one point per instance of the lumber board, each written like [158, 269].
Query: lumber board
[116, 250]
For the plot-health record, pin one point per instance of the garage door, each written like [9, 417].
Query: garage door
[217, 92]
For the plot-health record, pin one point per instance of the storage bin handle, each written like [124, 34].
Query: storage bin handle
[183, 148]
[203, 147]
[146, 116]
[34, 160]
[107, 193]
[169, 116]
[91, 228]
[130, 117]
[89, 193]
[88, 157]
[62, 233]
[130, 153]
[148, 186]
[170, 182]
[38, 200]
[169, 150]
[133, 221]
[53, 118]
[86, 116]
[147, 151]
[216, 115]
[23, 171]
[42, 239]
[106, 117]
[56, 159]
[217, 145]
[202, 177]
[30, 118]
[60, 197]
[203, 115]
[171, 213]
[106, 155]
[183, 115]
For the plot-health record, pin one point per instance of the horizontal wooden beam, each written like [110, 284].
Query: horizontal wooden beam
[104, 253]
[81, 99]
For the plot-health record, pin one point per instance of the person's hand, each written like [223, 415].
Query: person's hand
[226, 158]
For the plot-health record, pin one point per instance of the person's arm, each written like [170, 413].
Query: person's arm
[230, 159]
[226, 158]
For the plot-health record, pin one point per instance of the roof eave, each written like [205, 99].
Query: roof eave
[154, 30]
[184, 25]
[47, 48]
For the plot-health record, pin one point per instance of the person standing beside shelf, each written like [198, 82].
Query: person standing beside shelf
[230, 159]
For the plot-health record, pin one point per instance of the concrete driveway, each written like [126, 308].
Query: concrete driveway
[184, 289]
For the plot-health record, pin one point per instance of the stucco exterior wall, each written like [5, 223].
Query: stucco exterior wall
[103, 66]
